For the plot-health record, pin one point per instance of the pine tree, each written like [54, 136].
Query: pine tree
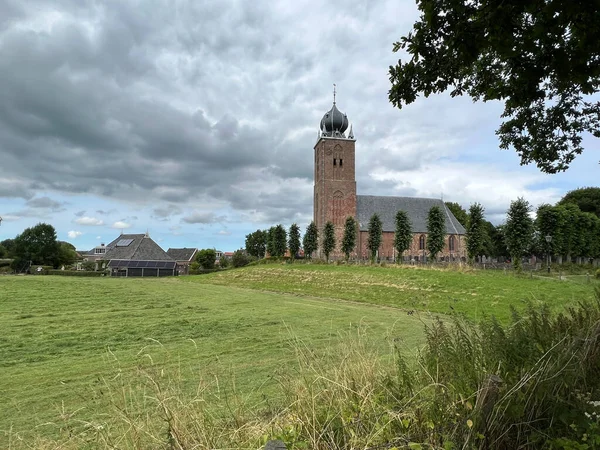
[475, 231]
[349, 239]
[279, 240]
[403, 236]
[436, 231]
[294, 241]
[518, 231]
[375, 236]
[328, 244]
[310, 243]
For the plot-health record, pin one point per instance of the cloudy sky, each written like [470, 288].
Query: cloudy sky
[196, 120]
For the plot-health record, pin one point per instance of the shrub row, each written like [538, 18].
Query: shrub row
[74, 273]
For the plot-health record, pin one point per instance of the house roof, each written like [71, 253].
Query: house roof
[182, 254]
[141, 247]
[416, 208]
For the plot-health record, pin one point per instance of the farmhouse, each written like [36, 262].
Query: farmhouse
[335, 198]
[184, 257]
[137, 255]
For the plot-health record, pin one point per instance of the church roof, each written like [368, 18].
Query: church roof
[416, 208]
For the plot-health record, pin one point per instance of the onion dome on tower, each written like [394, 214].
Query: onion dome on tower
[334, 123]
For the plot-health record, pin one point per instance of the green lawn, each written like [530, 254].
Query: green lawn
[65, 340]
[62, 337]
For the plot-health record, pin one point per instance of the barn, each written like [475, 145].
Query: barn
[137, 255]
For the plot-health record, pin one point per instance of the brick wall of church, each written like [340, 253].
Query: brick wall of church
[387, 250]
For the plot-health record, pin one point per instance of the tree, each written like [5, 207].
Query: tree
[206, 258]
[436, 231]
[374, 238]
[294, 241]
[9, 245]
[310, 242]
[539, 57]
[38, 244]
[548, 223]
[279, 241]
[458, 212]
[67, 255]
[328, 243]
[588, 199]
[223, 262]
[403, 236]
[271, 241]
[518, 230]
[256, 243]
[349, 239]
[239, 259]
[3, 252]
[476, 232]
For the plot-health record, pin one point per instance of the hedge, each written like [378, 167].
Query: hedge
[75, 273]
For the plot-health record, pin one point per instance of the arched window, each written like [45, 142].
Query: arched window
[422, 242]
[451, 243]
[338, 206]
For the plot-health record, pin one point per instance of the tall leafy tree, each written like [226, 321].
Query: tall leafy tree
[538, 57]
[310, 242]
[375, 236]
[588, 199]
[294, 241]
[403, 236]
[67, 255]
[349, 239]
[458, 212]
[3, 252]
[548, 223]
[256, 243]
[436, 231]
[518, 231]
[328, 244]
[206, 258]
[476, 232]
[279, 240]
[9, 245]
[38, 244]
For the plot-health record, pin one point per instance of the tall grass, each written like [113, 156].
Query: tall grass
[534, 383]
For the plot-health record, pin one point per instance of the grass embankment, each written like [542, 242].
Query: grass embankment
[61, 338]
[472, 293]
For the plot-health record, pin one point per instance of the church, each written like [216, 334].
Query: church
[335, 199]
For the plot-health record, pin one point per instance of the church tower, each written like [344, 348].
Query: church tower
[335, 179]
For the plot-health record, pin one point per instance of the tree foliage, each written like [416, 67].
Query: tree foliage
[349, 238]
[403, 235]
[310, 242]
[206, 258]
[375, 236]
[518, 230]
[476, 232]
[436, 231]
[587, 199]
[9, 245]
[256, 243]
[271, 241]
[239, 259]
[328, 244]
[294, 241]
[38, 244]
[67, 255]
[541, 58]
[459, 213]
[279, 241]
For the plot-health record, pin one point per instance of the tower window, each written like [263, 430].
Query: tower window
[341, 161]
[451, 243]
[334, 161]
[422, 242]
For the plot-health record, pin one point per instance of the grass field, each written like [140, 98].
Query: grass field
[62, 338]
[472, 293]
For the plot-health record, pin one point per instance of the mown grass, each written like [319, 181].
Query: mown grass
[62, 338]
[472, 293]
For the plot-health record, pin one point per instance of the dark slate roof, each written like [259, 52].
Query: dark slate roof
[142, 248]
[181, 254]
[416, 208]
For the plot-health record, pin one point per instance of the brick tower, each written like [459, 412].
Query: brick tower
[335, 179]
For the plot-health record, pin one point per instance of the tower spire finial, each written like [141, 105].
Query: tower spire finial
[334, 93]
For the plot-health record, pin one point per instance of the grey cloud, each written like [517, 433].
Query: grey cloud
[79, 213]
[166, 211]
[203, 218]
[45, 203]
